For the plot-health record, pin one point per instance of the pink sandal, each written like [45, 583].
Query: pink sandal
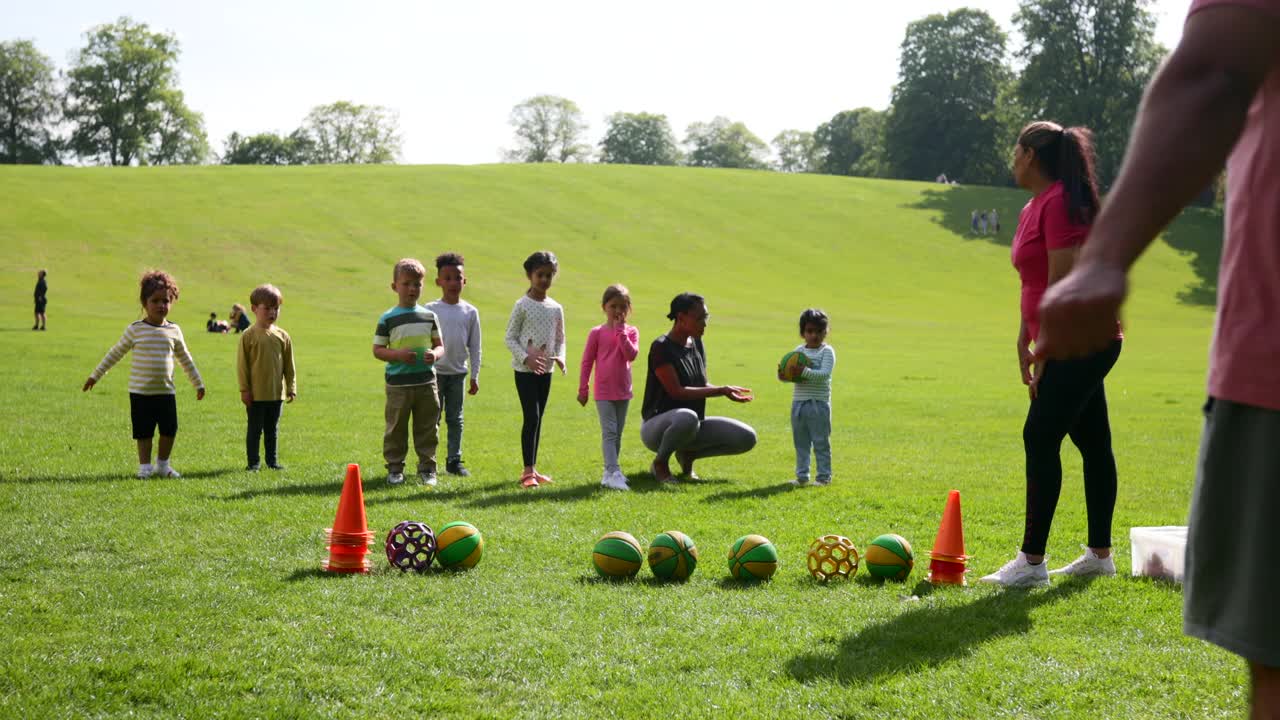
[529, 480]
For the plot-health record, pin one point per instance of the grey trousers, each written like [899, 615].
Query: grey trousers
[613, 417]
[681, 431]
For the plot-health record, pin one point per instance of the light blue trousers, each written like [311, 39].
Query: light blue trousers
[811, 428]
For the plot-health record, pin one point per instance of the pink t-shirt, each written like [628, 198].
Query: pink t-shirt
[1043, 225]
[611, 350]
[1244, 364]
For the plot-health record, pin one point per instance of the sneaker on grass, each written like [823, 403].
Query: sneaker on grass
[1088, 565]
[395, 478]
[428, 477]
[1019, 573]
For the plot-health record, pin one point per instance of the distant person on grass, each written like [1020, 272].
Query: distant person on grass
[535, 337]
[675, 397]
[1067, 396]
[42, 289]
[239, 319]
[265, 369]
[1217, 98]
[460, 331]
[214, 325]
[155, 342]
[811, 399]
[611, 348]
[407, 339]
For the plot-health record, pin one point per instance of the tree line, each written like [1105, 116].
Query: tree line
[962, 95]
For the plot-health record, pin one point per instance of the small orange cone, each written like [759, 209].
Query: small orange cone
[947, 565]
[349, 537]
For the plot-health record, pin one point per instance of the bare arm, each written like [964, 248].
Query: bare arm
[666, 375]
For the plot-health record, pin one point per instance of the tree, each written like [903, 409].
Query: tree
[943, 117]
[639, 139]
[795, 151]
[28, 105]
[123, 100]
[548, 129]
[346, 133]
[1087, 62]
[725, 144]
[268, 149]
[851, 143]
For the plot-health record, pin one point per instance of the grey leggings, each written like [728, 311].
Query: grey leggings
[613, 417]
[681, 431]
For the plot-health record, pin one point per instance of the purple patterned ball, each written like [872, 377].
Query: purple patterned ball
[411, 546]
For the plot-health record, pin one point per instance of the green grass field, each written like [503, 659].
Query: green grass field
[202, 596]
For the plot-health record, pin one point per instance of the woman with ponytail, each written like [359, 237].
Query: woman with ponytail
[1067, 397]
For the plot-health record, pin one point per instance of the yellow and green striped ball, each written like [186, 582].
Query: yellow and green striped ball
[459, 545]
[672, 556]
[617, 554]
[753, 557]
[889, 556]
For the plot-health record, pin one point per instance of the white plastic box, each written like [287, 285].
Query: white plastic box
[1159, 552]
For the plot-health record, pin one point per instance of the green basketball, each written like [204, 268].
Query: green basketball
[791, 365]
[889, 556]
[753, 557]
[459, 545]
[672, 555]
[617, 554]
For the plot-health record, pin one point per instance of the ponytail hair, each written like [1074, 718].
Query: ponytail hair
[1067, 154]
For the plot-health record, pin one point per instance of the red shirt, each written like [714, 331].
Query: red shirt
[1246, 334]
[1043, 225]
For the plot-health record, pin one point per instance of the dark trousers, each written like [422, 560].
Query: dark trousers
[1070, 401]
[533, 390]
[264, 421]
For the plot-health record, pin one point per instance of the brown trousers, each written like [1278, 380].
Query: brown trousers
[420, 403]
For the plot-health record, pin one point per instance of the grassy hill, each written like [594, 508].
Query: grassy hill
[200, 596]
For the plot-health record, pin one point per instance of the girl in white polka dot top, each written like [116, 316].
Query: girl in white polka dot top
[535, 337]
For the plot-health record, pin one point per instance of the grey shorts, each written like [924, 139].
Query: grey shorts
[1231, 585]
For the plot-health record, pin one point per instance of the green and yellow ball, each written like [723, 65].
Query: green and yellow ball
[672, 556]
[459, 545]
[753, 557]
[617, 554]
[889, 556]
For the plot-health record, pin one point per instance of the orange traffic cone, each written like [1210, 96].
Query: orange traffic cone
[349, 537]
[947, 565]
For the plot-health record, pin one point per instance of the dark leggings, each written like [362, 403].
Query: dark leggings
[264, 421]
[533, 390]
[1070, 401]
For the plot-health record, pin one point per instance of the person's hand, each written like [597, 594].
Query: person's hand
[560, 364]
[1078, 314]
[475, 387]
[1025, 360]
[88, 384]
[291, 397]
[582, 399]
[199, 393]
[617, 318]
[246, 397]
[1033, 386]
[429, 357]
[535, 359]
[406, 356]
[737, 394]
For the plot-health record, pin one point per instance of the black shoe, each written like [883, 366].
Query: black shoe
[275, 466]
[253, 467]
[35, 327]
[455, 467]
[43, 327]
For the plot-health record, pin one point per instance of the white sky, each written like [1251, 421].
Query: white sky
[453, 70]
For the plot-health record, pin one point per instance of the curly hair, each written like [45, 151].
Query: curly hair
[157, 280]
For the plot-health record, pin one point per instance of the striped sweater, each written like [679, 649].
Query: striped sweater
[154, 348]
[815, 381]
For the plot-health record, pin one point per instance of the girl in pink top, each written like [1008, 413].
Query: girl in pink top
[611, 347]
[1067, 396]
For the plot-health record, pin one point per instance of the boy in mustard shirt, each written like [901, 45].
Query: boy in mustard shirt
[265, 365]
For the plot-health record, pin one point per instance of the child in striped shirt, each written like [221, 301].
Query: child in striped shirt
[155, 343]
[811, 400]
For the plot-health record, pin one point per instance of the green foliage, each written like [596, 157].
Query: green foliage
[123, 100]
[269, 149]
[943, 118]
[796, 151]
[724, 144]
[639, 139]
[1087, 63]
[29, 105]
[202, 596]
[548, 129]
[852, 143]
[344, 133]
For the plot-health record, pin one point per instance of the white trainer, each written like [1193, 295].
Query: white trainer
[1088, 565]
[395, 478]
[146, 471]
[615, 480]
[1019, 573]
[167, 472]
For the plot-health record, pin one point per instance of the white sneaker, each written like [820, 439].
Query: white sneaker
[428, 477]
[1088, 565]
[1019, 573]
[395, 478]
[167, 472]
[615, 480]
[146, 471]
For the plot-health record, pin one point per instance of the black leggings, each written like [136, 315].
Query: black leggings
[264, 420]
[533, 390]
[1070, 400]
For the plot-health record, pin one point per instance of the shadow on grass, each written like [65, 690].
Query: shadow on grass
[736, 585]
[543, 493]
[1198, 232]
[8, 479]
[923, 639]
[953, 207]
[756, 492]
[331, 487]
